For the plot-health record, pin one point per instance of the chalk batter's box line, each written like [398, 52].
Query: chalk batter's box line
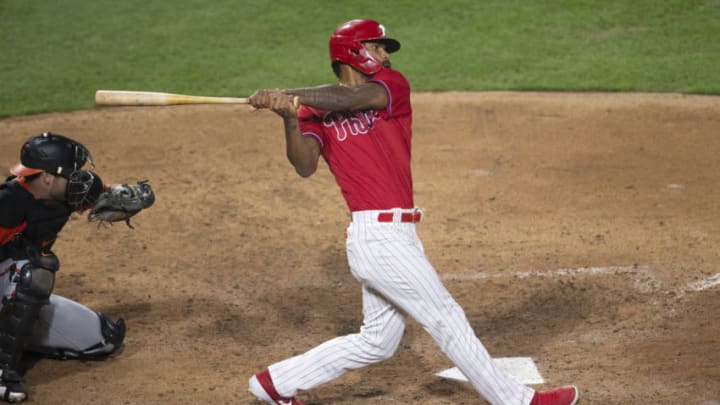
[634, 269]
[695, 286]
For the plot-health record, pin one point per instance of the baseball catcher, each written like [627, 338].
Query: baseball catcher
[45, 189]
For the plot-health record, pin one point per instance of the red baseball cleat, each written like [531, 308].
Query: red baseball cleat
[567, 395]
[262, 387]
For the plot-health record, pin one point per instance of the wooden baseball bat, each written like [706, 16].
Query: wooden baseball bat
[148, 98]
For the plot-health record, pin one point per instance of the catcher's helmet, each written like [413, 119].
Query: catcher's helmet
[52, 153]
[346, 45]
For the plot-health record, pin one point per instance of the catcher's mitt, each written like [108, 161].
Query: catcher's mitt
[121, 202]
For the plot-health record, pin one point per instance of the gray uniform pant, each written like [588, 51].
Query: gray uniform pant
[63, 323]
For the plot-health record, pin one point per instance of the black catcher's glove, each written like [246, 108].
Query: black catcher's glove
[121, 202]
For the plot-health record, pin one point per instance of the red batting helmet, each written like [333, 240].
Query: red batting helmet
[346, 45]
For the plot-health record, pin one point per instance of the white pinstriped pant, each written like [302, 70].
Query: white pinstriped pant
[398, 280]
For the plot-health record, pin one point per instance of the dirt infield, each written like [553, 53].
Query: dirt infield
[581, 230]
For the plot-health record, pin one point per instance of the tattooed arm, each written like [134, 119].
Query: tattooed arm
[335, 97]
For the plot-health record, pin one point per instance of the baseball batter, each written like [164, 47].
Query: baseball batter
[47, 186]
[362, 127]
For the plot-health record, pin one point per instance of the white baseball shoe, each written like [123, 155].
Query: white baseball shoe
[262, 387]
[12, 388]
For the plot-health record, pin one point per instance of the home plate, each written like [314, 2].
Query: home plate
[523, 368]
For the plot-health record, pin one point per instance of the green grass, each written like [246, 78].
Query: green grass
[55, 54]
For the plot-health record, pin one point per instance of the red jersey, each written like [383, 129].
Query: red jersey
[368, 151]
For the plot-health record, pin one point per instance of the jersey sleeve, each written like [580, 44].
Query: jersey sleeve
[398, 91]
[11, 209]
[12, 217]
[310, 122]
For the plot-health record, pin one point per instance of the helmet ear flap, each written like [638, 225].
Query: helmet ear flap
[353, 53]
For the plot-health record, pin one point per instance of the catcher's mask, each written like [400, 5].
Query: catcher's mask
[346, 45]
[52, 153]
[83, 189]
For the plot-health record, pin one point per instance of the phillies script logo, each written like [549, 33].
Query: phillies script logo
[350, 123]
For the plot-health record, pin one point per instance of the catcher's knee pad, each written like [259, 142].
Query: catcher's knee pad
[35, 284]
